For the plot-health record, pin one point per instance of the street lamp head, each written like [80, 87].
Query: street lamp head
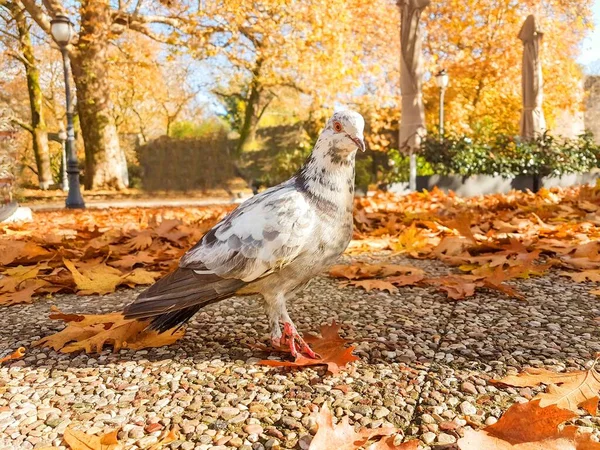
[62, 30]
[441, 79]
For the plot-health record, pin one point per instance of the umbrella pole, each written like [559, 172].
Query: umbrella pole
[412, 178]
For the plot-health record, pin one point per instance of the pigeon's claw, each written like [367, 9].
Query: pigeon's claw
[297, 345]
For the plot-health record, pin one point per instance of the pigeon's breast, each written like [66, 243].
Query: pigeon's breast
[332, 236]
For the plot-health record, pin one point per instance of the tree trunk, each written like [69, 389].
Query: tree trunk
[252, 111]
[38, 130]
[248, 130]
[105, 164]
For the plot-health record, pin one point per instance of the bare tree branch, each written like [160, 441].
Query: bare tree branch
[54, 7]
[38, 14]
[22, 124]
[19, 57]
[163, 39]
[8, 34]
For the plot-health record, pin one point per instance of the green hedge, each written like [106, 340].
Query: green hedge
[508, 157]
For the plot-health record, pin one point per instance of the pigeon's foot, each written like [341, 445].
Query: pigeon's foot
[292, 338]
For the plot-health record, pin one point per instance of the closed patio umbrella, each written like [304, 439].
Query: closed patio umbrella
[532, 116]
[412, 123]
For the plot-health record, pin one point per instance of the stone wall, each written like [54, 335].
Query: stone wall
[592, 106]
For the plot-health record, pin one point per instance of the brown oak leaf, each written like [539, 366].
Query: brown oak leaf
[78, 440]
[342, 436]
[569, 390]
[93, 332]
[330, 347]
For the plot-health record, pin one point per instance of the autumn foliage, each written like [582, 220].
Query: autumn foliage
[486, 243]
[330, 348]
[94, 252]
[490, 240]
[537, 423]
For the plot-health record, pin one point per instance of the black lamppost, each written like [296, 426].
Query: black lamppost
[62, 31]
[441, 80]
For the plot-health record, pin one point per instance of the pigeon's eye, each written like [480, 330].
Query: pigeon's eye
[337, 126]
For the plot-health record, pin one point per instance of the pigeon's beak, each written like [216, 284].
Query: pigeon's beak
[359, 141]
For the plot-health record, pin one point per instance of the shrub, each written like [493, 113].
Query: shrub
[186, 129]
[507, 156]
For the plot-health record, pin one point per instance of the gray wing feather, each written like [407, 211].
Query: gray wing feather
[259, 237]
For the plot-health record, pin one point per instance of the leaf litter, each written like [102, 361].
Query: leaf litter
[491, 239]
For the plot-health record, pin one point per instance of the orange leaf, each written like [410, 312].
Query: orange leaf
[387, 443]
[101, 280]
[582, 277]
[18, 353]
[127, 262]
[166, 438]
[78, 440]
[92, 333]
[20, 251]
[330, 347]
[140, 241]
[462, 224]
[369, 285]
[570, 390]
[570, 438]
[456, 287]
[406, 280]
[528, 422]
[590, 405]
[25, 295]
[341, 436]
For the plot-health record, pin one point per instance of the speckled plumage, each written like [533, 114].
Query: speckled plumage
[273, 243]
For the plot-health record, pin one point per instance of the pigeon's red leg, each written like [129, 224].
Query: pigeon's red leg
[277, 312]
[297, 345]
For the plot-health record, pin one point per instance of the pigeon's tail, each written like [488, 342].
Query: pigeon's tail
[175, 298]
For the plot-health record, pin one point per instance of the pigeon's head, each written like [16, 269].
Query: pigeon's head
[344, 132]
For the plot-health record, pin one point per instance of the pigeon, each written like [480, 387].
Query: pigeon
[272, 244]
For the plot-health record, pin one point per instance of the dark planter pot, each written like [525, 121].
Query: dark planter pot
[490, 184]
[476, 184]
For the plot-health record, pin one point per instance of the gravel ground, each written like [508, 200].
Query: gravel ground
[423, 367]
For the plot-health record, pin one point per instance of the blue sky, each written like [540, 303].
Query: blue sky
[590, 54]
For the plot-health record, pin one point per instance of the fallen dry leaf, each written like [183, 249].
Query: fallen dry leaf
[23, 295]
[12, 251]
[18, 353]
[139, 276]
[457, 287]
[515, 230]
[166, 438]
[95, 242]
[387, 443]
[128, 261]
[570, 438]
[14, 276]
[140, 241]
[569, 390]
[582, 277]
[366, 276]
[342, 436]
[102, 280]
[361, 270]
[369, 285]
[78, 440]
[528, 422]
[413, 241]
[330, 347]
[92, 333]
